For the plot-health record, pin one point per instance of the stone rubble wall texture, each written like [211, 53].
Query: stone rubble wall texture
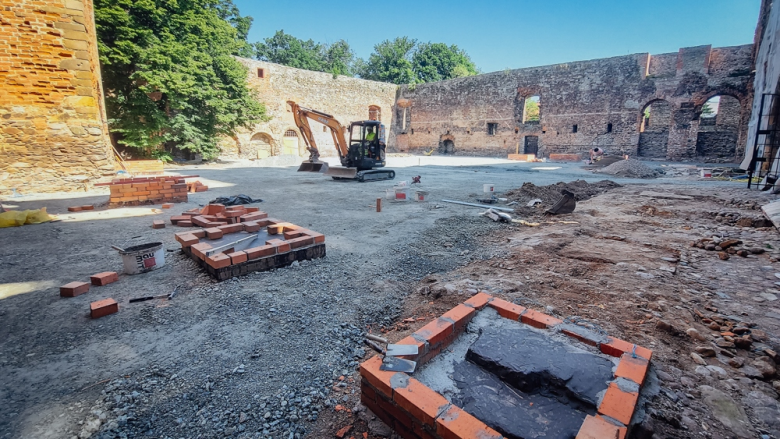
[347, 99]
[53, 131]
[767, 67]
[589, 94]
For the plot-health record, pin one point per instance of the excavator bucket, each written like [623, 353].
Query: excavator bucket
[313, 167]
[565, 204]
[345, 173]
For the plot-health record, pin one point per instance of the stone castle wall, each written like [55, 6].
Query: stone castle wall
[347, 99]
[53, 132]
[583, 104]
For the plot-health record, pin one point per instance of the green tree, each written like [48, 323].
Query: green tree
[706, 110]
[437, 62]
[169, 73]
[287, 50]
[339, 58]
[532, 110]
[391, 62]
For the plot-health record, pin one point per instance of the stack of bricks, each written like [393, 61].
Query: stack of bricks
[147, 190]
[415, 411]
[196, 186]
[214, 215]
[287, 242]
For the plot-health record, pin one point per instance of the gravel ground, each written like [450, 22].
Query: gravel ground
[257, 356]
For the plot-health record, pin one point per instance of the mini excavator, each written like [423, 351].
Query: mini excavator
[364, 151]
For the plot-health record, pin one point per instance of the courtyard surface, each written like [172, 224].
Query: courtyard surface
[274, 354]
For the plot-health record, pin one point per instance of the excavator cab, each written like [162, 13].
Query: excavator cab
[366, 145]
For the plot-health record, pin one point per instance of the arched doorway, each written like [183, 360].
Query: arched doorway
[447, 144]
[655, 120]
[290, 141]
[718, 128]
[260, 146]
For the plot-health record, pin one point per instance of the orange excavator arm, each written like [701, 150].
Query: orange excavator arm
[302, 116]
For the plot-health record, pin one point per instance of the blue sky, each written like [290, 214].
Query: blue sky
[500, 34]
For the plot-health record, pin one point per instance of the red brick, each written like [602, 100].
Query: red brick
[200, 233]
[478, 300]
[366, 390]
[380, 379]
[176, 218]
[201, 189]
[617, 404]
[251, 226]
[506, 309]
[88, 207]
[254, 216]
[436, 331]
[220, 260]
[104, 278]
[200, 221]
[75, 209]
[214, 233]
[102, 308]
[596, 427]
[231, 228]
[158, 224]
[199, 249]
[260, 252]
[319, 238]
[616, 348]
[252, 209]
[634, 369]
[281, 246]
[301, 242]
[374, 407]
[187, 239]
[237, 257]
[539, 320]
[461, 315]
[213, 209]
[292, 234]
[233, 213]
[184, 223]
[74, 289]
[455, 423]
[167, 205]
[275, 229]
[420, 401]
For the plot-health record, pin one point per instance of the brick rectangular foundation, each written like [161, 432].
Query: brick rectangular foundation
[251, 242]
[415, 411]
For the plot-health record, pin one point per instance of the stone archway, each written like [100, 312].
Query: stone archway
[447, 144]
[654, 122]
[290, 143]
[260, 146]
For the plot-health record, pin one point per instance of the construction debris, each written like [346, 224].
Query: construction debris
[630, 168]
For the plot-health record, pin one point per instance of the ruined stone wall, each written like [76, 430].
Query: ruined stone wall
[347, 99]
[53, 132]
[582, 104]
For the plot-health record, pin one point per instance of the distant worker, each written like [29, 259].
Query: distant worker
[371, 147]
[596, 154]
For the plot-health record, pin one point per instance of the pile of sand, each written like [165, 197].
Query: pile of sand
[630, 168]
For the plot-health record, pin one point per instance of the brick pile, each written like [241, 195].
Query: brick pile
[196, 186]
[415, 411]
[147, 190]
[287, 242]
[98, 308]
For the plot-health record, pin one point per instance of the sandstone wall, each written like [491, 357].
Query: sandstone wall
[53, 133]
[583, 104]
[347, 99]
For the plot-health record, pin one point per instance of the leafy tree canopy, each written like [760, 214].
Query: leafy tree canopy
[337, 58]
[391, 62]
[169, 73]
[437, 62]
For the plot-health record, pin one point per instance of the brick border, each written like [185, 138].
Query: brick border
[415, 411]
[287, 242]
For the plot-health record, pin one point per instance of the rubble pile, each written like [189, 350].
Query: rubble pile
[630, 168]
[549, 194]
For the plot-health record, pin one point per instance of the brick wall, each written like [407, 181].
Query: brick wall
[347, 99]
[53, 133]
[603, 98]
[151, 190]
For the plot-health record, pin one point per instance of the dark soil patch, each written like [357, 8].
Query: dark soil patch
[549, 194]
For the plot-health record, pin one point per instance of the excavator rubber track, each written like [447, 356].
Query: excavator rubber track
[361, 176]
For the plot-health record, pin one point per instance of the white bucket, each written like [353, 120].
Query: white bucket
[488, 188]
[402, 194]
[143, 258]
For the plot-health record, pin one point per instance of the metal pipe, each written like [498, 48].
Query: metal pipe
[503, 209]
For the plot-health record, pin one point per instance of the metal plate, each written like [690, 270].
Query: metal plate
[396, 350]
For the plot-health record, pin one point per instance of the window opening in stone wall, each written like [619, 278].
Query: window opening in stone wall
[290, 145]
[574, 128]
[517, 130]
[531, 109]
[492, 129]
[609, 127]
[412, 130]
[374, 113]
[261, 73]
[324, 128]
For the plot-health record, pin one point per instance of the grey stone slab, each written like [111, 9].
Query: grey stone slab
[531, 361]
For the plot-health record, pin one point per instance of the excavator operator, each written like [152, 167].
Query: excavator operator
[372, 144]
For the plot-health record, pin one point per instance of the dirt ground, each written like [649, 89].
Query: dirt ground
[274, 354]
